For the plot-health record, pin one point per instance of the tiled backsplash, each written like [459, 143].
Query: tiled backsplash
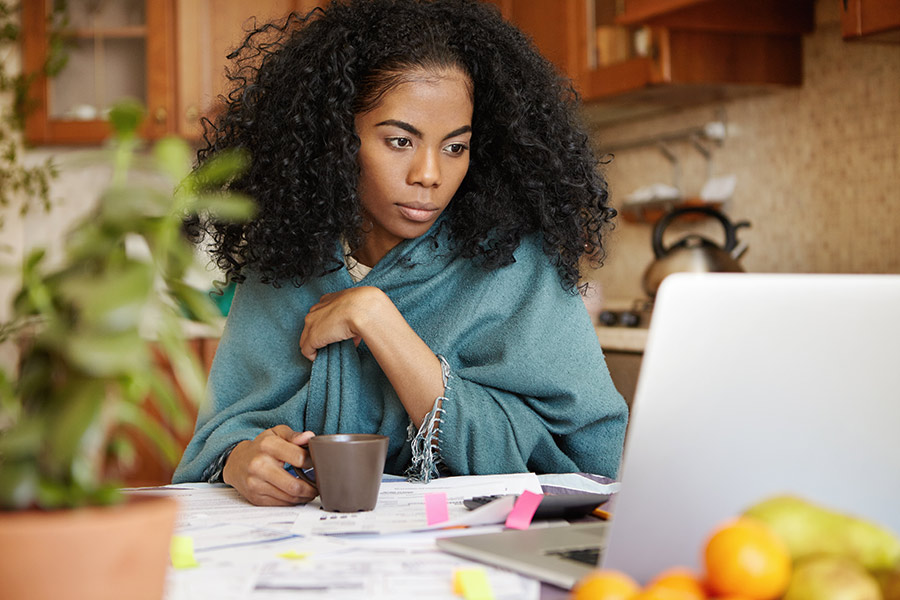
[818, 168]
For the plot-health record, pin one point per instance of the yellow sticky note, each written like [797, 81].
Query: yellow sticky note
[181, 550]
[457, 586]
[293, 555]
[472, 584]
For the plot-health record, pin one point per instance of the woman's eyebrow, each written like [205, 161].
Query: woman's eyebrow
[460, 131]
[412, 129]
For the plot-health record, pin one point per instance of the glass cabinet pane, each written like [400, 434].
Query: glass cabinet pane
[106, 47]
[609, 43]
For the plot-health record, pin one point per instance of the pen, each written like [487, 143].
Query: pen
[599, 512]
[310, 473]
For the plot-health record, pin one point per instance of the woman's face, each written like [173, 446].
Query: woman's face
[413, 155]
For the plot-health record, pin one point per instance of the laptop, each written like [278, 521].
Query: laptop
[752, 385]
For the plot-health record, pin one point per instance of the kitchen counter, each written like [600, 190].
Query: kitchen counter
[622, 339]
[623, 348]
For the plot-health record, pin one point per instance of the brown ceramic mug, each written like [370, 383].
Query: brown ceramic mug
[348, 468]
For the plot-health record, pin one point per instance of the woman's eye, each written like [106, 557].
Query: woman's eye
[457, 148]
[400, 142]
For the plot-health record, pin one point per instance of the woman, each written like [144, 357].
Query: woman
[425, 201]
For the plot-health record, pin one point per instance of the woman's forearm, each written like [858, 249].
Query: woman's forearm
[410, 365]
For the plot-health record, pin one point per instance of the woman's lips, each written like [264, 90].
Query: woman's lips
[420, 214]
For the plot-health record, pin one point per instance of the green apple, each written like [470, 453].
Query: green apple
[809, 529]
[831, 578]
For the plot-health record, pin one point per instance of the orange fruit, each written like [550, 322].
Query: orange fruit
[680, 579]
[605, 584]
[745, 558]
[662, 593]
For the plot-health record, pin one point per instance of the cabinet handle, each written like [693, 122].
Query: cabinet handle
[160, 114]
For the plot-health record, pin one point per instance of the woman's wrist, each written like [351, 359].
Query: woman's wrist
[372, 316]
[225, 467]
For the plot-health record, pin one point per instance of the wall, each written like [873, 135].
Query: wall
[818, 167]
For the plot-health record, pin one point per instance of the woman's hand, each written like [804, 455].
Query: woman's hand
[341, 316]
[255, 468]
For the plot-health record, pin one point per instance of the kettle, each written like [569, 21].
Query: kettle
[693, 253]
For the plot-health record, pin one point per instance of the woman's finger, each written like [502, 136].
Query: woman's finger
[265, 494]
[283, 449]
[293, 488]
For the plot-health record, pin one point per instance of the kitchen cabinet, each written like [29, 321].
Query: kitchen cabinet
[871, 20]
[169, 54]
[114, 50]
[207, 31]
[636, 57]
[624, 369]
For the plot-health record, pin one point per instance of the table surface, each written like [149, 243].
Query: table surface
[245, 551]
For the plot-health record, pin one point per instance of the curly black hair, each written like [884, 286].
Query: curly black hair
[299, 82]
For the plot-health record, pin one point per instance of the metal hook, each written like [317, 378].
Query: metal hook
[676, 166]
[706, 152]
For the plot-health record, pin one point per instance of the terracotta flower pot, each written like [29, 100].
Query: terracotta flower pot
[98, 553]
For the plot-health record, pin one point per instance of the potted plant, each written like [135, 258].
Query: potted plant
[87, 331]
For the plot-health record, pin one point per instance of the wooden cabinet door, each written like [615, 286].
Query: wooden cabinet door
[207, 30]
[121, 50]
[558, 29]
[876, 20]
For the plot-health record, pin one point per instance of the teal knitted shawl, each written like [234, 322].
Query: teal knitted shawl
[529, 389]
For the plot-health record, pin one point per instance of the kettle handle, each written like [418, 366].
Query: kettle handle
[730, 229]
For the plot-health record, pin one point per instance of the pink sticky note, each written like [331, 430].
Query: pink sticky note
[436, 508]
[523, 510]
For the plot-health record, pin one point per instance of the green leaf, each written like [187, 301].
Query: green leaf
[125, 117]
[32, 261]
[36, 375]
[10, 408]
[18, 485]
[105, 495]
[35, 297]
[107, 354]
[173, 156]
[172, 252]
[221, 168]
[121, 448]
[230, 207]
[21, 442]
[196, 303]
[73, 424]
[159, 436]
[92, 241]
[53, 493]
[127, 206]
[165, 398]
[113, 300]
[189, 374]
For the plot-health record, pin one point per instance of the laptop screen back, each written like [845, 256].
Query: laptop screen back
[754, 385]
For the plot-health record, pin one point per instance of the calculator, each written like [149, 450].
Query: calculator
[553, 506]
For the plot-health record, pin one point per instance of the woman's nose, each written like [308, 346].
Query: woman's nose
[425, 169]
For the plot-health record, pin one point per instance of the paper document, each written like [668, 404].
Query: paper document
[218, 503]
[401, 506]
[243, 552]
